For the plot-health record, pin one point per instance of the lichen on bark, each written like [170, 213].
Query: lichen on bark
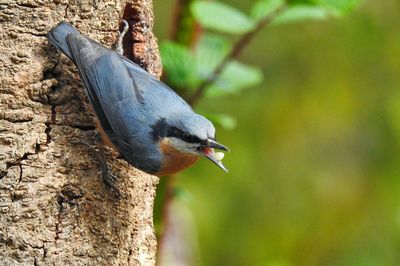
[54, 208]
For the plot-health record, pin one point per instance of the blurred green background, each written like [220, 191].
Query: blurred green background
[315, 164]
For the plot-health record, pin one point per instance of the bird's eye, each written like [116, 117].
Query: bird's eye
[199, 148]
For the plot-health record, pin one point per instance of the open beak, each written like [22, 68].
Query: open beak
[212, 155]
[216, 145]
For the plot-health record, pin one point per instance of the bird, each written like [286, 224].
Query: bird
[149, 124]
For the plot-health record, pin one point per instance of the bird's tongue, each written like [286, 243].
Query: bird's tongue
[208, 151]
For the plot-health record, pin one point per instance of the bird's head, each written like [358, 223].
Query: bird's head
[190, 136]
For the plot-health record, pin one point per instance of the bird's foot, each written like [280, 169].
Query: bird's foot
[108, 177]
[119, 47]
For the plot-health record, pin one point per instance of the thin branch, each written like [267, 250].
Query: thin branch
[176, 19]
[165, 216]
[234, 53]
[184, 28]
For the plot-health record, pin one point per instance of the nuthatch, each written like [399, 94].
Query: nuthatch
[153, 128]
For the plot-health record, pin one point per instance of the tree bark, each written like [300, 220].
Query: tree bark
[54, 207]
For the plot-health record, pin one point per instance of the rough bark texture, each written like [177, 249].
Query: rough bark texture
[54, 207]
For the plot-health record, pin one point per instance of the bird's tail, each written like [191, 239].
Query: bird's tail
[58, 35]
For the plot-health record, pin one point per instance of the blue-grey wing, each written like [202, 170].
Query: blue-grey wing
[116, 98]
[162, 99]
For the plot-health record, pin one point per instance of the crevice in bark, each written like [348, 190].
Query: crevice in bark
[27, 4]
[47, 131]
[24, 245]
[131, 16]
[15, 196]
[133, 36]
[129, 257]
[48, 124]
[60, 201]
[66, 10]
[34, 246]
[68, 195]
[48, 74]
[3, 173]
[35, 34]
[37, 148]
[83, 127]
[19, 163]
[20, 174]
[18, 120]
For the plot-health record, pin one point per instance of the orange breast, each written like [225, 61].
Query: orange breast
[174, 160]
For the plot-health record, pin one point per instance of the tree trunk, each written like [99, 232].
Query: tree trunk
[54, 207]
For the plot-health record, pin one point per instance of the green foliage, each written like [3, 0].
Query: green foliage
[209, 52]
[226, 121]
[234, 78]
[340, 7]
[221, 17]
[297, 13]
[315, 10]
[179, 64]
[296, 2]
[224, 18]
[263, 8]
[187, 69]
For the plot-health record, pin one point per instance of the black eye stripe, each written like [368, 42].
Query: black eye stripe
[177, 133]
[161, 129]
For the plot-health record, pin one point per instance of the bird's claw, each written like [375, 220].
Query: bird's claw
[108, 177]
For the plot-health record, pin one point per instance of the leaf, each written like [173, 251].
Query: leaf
[221, 17]
[263, 8]
[298, 13]
[296, 2]
[179, 64]
[339, 7]
[209, 52]
[235, 77]
[226, 121]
